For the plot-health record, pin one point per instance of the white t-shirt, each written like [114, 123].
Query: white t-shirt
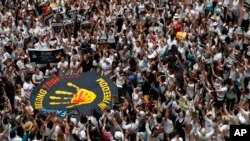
[224, 128]
[141, 7]
[182, 51]
[106, 66]
[199, 8]
[41, 45]
[235, 4]
[246, 16]
[28, 87]
[18, 98]
[119, 81]
[38, 77]
[17, 138]
[209, 2]
[171, 42]
[221, 93]
[50, 72]
[143, 65]
[93, 120]
[174, 139]
[47, 131]
[206, 137]
[63, 67]
[136, 51]
[83, 135]
[168, 125]
[226, 3]
[130, 126]
[190, 89]
[74, 67]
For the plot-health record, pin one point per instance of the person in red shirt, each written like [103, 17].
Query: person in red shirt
[177, 23]
[46, 9]
[177, 27]
[106, 134]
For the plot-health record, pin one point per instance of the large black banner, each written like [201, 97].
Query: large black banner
[45, 56]
[83, 92]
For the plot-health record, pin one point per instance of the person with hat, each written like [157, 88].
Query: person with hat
[27, 126]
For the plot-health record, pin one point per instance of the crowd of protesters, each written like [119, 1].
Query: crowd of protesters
[182, 68]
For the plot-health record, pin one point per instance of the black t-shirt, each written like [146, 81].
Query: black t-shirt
[119, 24]
[86, 66]
[146, 87]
